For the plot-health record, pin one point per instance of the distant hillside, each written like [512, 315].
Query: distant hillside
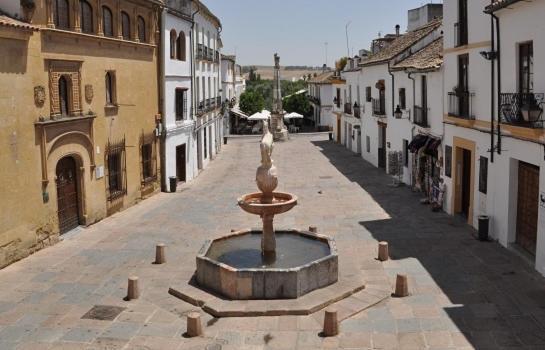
[286, 73]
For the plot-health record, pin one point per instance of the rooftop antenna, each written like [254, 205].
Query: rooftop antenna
[347, 46]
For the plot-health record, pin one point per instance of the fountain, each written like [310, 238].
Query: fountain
[267, 264]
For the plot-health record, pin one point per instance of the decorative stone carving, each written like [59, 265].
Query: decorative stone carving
[266, 175]
[39, 95]
[89, 93]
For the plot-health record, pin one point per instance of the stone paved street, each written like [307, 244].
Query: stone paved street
[464, 293]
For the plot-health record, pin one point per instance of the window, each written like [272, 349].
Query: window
[402, 100]
[424, 92]
[86, 17]
[116, 169]
[147, 169]
[107, 21]
[448, 161]
[125, 26]
[462, 29]
[368, 94]
[405, 153]
[63, 96]
[181, 104]
[110, 89]
[483, 174]
[141, 29]
[181, 46]
[172, 44]
[526, 68]
[61, 12]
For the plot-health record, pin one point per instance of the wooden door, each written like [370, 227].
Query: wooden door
[180, 163]
[527, 206]
[67, 194]
[338, 127]
[382, 146]
[466, 182]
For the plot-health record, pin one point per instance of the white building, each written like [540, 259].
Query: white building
[380, 87]
[207, 84]
[233, 85]
[322, 95]
[494, 119]
[180, 148]
[351, 105]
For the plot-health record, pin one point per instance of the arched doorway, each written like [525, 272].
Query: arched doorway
[67, 194]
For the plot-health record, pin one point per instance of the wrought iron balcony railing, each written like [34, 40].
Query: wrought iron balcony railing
[379, 107]
[522, 109]
[200, 51]
[348, 108]
[460, 104]
[357, 111]
[420, 116]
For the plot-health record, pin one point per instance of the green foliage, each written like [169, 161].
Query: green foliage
[251, 102]
[298, 103]
[340, 64]
[264, 88]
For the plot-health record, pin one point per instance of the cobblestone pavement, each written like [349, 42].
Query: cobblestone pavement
[464, 293]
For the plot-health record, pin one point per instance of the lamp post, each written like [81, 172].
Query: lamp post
[347, 46]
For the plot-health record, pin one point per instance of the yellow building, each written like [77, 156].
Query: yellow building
[78, 115]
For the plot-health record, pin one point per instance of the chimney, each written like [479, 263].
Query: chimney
[397, 29]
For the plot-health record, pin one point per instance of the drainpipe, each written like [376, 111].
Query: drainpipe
[410, 76]
[193, 92]
[162, 108]
[393, 87]
[492, 98]
[498, 57]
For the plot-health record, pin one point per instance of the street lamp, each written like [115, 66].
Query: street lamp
[398, 113]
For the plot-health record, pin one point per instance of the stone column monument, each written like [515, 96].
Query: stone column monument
[279, 130]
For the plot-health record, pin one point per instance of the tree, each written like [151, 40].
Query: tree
[340, 64]
[298, 103]
[251, 102]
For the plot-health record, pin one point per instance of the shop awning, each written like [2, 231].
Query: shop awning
[417, 143]
[239, 113]
[432, 145]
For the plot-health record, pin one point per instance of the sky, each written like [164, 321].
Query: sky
[299, 29]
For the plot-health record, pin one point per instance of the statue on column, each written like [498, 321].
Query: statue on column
[280, 132]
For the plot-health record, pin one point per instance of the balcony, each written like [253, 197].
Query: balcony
[460, 104]
[421, 116]
[379, 107]
[314, 99]
[357, 111]
[524, 110]
[460, 33]
[200, 52]
[348, 108]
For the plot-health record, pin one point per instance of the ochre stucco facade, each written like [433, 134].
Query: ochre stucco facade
[109, 174]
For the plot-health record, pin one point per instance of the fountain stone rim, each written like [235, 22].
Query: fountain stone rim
[225, 279]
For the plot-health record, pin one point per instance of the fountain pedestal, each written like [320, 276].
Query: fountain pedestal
[267, 264]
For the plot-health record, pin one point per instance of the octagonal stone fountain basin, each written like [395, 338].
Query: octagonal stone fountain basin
[234, 267]
[254, 203]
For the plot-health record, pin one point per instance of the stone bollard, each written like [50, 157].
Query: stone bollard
[331, 323]
[194, 328]
[313, 229]
[160, 257]
[133, 291]
[383, 251]
[402, 286]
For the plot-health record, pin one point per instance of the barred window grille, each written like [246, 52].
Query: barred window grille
[148, 157]
[116, 162]
[181, 103]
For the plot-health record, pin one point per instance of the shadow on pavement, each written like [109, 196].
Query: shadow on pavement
[499, 300]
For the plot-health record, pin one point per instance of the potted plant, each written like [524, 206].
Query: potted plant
[530, 109]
